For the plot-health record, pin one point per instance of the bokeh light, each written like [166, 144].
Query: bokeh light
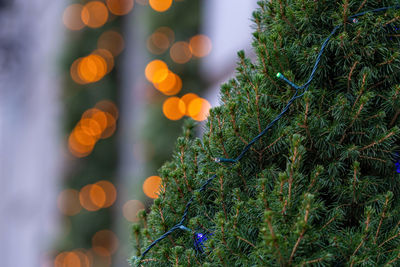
[108, 106]
[199, 109]
[156, 71]
[97, 195]
[92, 68]
[111, 41]
[160, 5]
[110, 192]
[180, 52]
[72, 17]
[131, 208]
[160, 40]
[94, 14]
[85, 198]
[78, 149]
[107, 56]
[96, 123]
[105, 242]
[111, 126]
[120, 7]
[74, 72]
[68, 202]
[97, 115]
[200, 45]
[83, 137]
[71, 259]
[91, 128]
[174, 108]
[152, 186]
[187, 98]
[171, 85]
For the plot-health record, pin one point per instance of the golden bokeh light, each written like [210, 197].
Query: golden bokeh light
[74, 72]
[72, 17]
[85, 198]
[94, 14]
[108, 106]
[95, 123]
[156, 71]
[180, 52]
[200, 45]
[111, 41]
[131, 208]
[97, 115]
[97, 195]
[105, 242]
[111, 126]
[68, 202]
[107, 56]
[110, 193]
[160, 5]
[174, 108]
[171, 85]
[92, 68]
[199, 109]
[187, 98]
[120, 7]
[83, 137]
[68, 259]
[168, 32]
[78, 149]
[152, 186]
[84, 257]
[158, 43]
[91, 128]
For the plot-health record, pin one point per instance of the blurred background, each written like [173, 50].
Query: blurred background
[93, 95]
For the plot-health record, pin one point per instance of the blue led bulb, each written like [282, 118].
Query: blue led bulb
[198, 240]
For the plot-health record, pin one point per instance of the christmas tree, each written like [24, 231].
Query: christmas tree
[297, 167]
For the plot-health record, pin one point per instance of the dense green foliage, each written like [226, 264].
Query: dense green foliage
[319, 189]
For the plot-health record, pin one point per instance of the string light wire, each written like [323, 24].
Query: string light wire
[297, 94]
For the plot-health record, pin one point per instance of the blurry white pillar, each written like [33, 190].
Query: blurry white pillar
[30, 35]
[229, 26]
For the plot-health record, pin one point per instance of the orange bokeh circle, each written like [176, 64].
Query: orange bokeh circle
[86, 195]
[111, 41]
[94, 14]
[156, 71]
[200, 45]
[187, 98]
[72, 17]
[107, 56]
[92, 68]
[199, 109]
[160, 5]
[171, 85]
[110, 193]
[78, 149]
[174, 108]
[180, 52]
[152, 186]
[131, 208]
[120, 7]
[105, 242]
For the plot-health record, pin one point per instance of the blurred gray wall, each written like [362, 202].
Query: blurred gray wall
[229, 25]
[30, 40]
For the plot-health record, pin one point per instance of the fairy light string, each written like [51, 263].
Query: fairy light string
[199, 238]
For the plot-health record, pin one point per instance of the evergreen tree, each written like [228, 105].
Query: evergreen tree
[320, 188]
